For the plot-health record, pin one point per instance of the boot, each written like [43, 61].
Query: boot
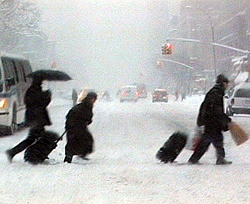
[83, 157]
[68, 159]
[190, 162]
[10, 155]
[222, 162]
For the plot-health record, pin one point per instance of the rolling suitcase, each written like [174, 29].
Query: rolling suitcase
[172, 147]
[39, 151]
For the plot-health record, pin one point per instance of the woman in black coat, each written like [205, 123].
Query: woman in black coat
[79, 139]
[36, 115]
[36, 101]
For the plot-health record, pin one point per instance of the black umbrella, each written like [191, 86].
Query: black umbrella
[50, 75]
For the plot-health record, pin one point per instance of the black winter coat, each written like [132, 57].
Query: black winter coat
[79, 139]
[211, 113]
[36, 102]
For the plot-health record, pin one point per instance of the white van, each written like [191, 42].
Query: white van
[129, 93]
[13, 85]
[238, 100]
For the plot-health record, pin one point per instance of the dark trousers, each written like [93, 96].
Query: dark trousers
[34, 134]
[68, 157]
[208, 138]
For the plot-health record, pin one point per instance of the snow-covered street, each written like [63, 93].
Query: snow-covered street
[123, 168]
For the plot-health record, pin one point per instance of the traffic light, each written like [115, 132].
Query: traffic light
[164, 49]
[167, 49]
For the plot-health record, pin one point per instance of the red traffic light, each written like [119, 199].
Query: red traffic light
[169, 46]
[167, 49]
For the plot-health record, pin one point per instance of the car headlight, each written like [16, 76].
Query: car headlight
[3, 103]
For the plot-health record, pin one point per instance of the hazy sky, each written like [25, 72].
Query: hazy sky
[102, 44]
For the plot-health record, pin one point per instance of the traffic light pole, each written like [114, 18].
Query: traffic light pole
[214, 55]
[176, 62]
[232, 48]
[213, 44]
[184, 40]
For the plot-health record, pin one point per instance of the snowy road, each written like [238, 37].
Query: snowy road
[123, 168]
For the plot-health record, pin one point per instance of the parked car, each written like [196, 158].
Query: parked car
[238, 100]
[160, 95]
[13, 86]
[129, 93]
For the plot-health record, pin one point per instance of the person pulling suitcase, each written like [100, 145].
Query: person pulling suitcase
[79, 140]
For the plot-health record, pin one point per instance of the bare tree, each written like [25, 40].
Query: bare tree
[16, 18]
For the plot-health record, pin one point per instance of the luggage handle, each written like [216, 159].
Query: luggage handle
[60, 138]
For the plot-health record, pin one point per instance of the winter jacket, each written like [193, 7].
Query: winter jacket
[36, 102]
[79, 139]
[211, 113]
[79, 116]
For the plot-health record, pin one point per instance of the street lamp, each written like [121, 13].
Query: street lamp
[212, 36]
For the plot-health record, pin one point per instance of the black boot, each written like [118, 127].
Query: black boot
[222, 162]
[83, 157]
[68, 159]
[193, 162]
[10, 155]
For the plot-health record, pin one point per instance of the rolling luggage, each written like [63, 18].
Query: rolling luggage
[172, 147]
[39, 151]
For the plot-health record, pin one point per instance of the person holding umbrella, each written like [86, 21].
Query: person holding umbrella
[79, 140]
[36, 115]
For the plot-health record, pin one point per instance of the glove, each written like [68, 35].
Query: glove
[225, 123]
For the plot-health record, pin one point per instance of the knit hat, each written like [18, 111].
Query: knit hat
[91, 95]
[221, 79]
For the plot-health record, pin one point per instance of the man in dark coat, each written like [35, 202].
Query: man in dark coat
[36, 115]
[212, 117]
[79, 139]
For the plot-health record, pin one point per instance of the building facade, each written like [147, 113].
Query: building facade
[224, 22]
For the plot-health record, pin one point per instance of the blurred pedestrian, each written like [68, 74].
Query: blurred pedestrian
[118, 93]
[79, 140]
[36, 115]
[176, 95]
[183, 95]
[106, 96]
[213, 119]
[74, 96]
